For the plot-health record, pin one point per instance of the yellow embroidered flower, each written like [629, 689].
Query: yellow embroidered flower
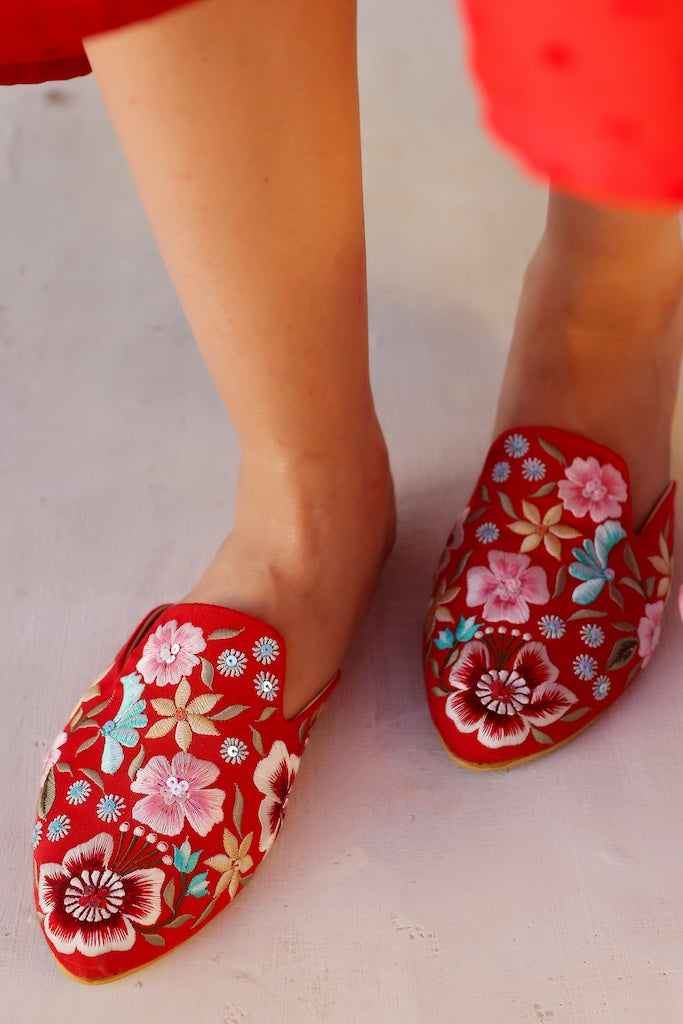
[234, 864]
[186, 717]
[549, 529]
[663, 563]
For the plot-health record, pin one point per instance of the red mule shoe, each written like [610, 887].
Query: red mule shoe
[546, 604]
[166, 789]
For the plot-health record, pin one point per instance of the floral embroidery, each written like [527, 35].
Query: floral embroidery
[265, 650]
[231, 662]
[601, 687]
[592, 489]
[438, 610]
[585, 666]
[234, 751]
[110, 807]
[266, 685]
[466, 628]
[592, 635]
[121, 731]
[52, 757]
[663, 563]
[171, 653]
[548, 529]
[93, 903]
[37, 834]
[552, 627]
[591, 565]
[500, 472]
[187, 716]
[455, 539]
[234, 864]
[176, 790]
[58, 828]
[273, 777]
[533, 470]
[507, 587]
[649, 629]
[503, 688]
[78, 792]
[487, 533]
[516, 445]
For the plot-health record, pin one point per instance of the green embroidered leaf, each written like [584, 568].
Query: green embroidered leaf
[438, 692]
[434, 666]
[303, 729]
[545, 489]
[630, 560]
[560, 581]
[554, 452]
[586, 613]
[632, 674]
[477, 514]
[232, 712]
[625, 627]
[136, 764]
[461, 565]
[62, 766]
[633, 584]
[238, 809]
[622, 652]
[76, 718]
[169, 894]
[540, 737]
[207, 673]
[574, 716]
[94, 776]
[452, 658]
[225, 634]
[84, 723]
[485, 493]
[616, 596]
[650, 586]
[153, 939]
[507, 505]
[178, 921]
[265, 714]
[88, 743]
[258, 741]
[47, 794]
[204, 914]
[93, 712]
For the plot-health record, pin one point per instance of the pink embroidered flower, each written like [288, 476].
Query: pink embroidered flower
[508, 587]
[176, 790]
[273, 777]
[500, 694]
[171, 653]
[92, 905]
[592, 489]
[649, 629]
[52, 757]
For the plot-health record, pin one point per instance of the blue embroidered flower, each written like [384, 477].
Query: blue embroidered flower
[585, 666]
[110, 807]
[601, 687]
[533, 469]
[198, 886]
[552, 627]
[231, 662]
[121, 730]
[58, 828]
[184, 859]
[234, 751]
[37, 834]
[516, 445]
[500, 472]
[487, 533]
[466, 628]
[265, 650]
[592, 635]
[591, 565]
[78, 792]
[445, 639]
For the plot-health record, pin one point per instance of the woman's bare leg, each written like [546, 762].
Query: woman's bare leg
[239, 120]
[599, 336]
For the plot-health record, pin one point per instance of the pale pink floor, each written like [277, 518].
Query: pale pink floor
[404, 889]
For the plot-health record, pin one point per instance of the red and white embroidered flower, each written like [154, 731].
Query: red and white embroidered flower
[52, 756]
[90, 905]
[503, 688]
[176, 790]
[649, 629]
[273, 777]
[507, 588]
[592, 489]
[171, 653]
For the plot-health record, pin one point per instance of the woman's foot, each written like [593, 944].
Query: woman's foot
[598, 337]
[311, 534]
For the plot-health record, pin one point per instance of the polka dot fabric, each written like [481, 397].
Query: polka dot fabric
[588, 95]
